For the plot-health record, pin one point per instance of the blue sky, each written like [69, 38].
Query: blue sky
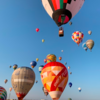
[20, 44]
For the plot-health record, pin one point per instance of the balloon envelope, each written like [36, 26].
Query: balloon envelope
[33, 64]
[90, 44]
[84, 46]
[70, 84]
[37, 29]
[51, 58]
[54, 77]
[15, 66]
[3, 93]
[22, 81]
[61, 11]
[40, 68]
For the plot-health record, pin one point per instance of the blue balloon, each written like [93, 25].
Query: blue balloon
[79, 90]
[33, 63]
[70, 84]
[84, 46]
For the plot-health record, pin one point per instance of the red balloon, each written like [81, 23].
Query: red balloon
[45, 60]
[37, 29]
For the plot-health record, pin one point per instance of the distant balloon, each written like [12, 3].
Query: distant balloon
[77, 37]
[43, 40]
[37, 59]
[84, 46]
[3, 93]
[40, 68]
[37, 29]
[15, 66]
[33, 64]
[70, 72]
[62, 50]
[45, 60]
[65, 63]
[68, 67]
[61, 32]
[60, 58]
[45, 91]
[10, 89]
[90, 44]
[51, 58]
[54, 77]
[22, 81]
[10, 66]
[79, 89]
[69, 99]
[36, 81]
[70, 23]
[5, 80]
[89, 32]
[70, 84]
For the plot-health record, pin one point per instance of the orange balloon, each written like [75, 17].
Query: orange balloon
[54, 77]
[60, 58]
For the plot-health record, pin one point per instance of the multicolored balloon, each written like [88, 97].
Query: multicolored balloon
[33, 64]
[90, 44]
[77, 37]
[3, 93]
[79, 89]
[40, 68]
[51, 58]
[22, 81]
[84, 46]
[54, 77]
[70, 84]
[15, 66]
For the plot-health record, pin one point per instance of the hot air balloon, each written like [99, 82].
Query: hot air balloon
[62, 11]
[69, 99]
[33, 64]
[77, 37]
[70, 84]
[22, 81]
[45, 91]
[10, 66]
[68, 67]
[84, 46]
[79, 89]
[70, 23]
[43, 40]
[54, 77]
[5, 80]
[36, 81]
[70, 72]
[62, 50]
[40, 68]
[45, 60]
[10, 89]
[3, 93]
[37, 29]
[65, 63]
[51, 58]
[89, 32]
[60, 58]
[61, 32]
[90, 44]
[37, 59]
[15, 66]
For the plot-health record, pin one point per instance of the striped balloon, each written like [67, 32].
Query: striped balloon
[77, 37]
[3, 93]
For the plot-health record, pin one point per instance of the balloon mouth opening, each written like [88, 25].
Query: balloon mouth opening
[32, 66]
[55, 99]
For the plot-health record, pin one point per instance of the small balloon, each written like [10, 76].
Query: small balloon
[43, 40]
[37, 29]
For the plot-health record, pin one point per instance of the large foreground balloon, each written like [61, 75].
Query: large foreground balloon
[51, 58]
[3, 93]
[77, 37]
[61, 11]
[22, 81]
[90, 44]
[54, 77]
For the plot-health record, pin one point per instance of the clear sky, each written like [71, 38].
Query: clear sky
[20, 44]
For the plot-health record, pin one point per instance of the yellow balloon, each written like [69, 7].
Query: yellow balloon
[43, 40]
[37, 59]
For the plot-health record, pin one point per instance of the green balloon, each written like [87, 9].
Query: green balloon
[69, 99]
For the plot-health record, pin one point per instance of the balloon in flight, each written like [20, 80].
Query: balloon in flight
[89, 32]
[37, 59]
[60, 58]
[54, 77]
[45, 60]
[22, 81]
[84, 46]
[33, 64]
[77, 37]
[40, 68]
[37, 29]
[15, 66]
[51, 58]
[70, 84]
[5, 80]
[79, 89]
